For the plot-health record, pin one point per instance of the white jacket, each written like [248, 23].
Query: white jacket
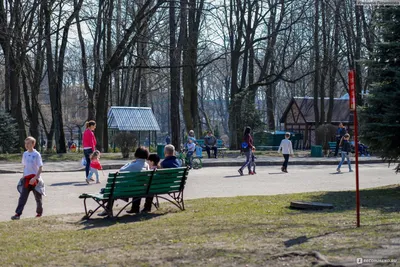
[286, 147]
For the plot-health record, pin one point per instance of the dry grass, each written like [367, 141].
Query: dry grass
[240, 231]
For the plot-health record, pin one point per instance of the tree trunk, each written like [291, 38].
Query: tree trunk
[317, 64]
[174, 57]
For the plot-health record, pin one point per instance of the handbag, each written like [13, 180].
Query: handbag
[245, 145]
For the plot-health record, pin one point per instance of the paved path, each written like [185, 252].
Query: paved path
[63, 188]
[70, 166]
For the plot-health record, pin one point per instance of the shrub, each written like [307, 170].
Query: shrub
[8, 133]
[323, 134]
[126, 141]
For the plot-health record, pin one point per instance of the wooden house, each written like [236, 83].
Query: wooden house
[299, 116]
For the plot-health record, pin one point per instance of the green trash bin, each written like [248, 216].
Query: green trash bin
[316, 151]
[160, 151]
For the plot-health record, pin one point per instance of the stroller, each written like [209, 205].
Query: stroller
[363, 150]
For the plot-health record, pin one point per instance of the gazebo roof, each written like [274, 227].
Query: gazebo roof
[132, 119]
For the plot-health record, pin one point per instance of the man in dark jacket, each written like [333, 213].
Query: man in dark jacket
[211, 144]
[340, 132]
[170, 160]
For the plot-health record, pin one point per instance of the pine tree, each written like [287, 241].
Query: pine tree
[380, 118]
[8, 133]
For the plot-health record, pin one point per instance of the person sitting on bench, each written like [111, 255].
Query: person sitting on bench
[210, 143]
[137, 165]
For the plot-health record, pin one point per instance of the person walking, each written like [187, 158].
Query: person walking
[33, 164]
[340, 132]
[346, 152]
[211, 144]
[247, 148]
[89, 144]
[287, 149]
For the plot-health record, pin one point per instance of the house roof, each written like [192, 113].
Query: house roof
[340, 112]
[132, 119]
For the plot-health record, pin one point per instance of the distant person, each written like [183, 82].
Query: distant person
[287, 149]
[192, 137]
[89, 144]
[95, 166]
[31, 181]
[170, 160]
[210, 143]
[253, 162]
[340, 132]
[346, 152]
[69, 143]
[248, 148]
[167, 140]
[191, 148]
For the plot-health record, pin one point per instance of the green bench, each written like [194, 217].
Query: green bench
[221, 149]
[167, 184]
[332, 147]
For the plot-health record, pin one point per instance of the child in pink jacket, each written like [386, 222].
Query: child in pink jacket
[95, 166]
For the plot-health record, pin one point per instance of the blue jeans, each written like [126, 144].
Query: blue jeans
[95, 172]
[345, 155]
[189, 157]
[249, 160]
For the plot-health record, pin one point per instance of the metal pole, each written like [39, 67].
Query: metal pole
[353, 107]
[357, 180]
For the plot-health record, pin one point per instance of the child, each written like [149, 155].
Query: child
[154, 161]
[32, 161]
[95, 166]
[287, 148]
[253, 163]
[346, 151]
[191, 147]
[154, 164]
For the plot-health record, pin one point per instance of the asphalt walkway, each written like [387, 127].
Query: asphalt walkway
[72, 166]
[64, 187]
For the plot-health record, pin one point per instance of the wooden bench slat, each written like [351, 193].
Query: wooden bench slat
[164, 191]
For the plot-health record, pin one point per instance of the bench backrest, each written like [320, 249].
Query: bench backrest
[332, 145]
[200, 142]
[127, 184]
[220, 143]
[168, 180]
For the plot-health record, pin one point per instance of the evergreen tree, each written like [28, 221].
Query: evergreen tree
[380, 118]
[8, 133]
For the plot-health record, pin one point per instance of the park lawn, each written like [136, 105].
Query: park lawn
[238, 231]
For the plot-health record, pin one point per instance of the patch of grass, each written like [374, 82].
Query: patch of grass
[252, 231]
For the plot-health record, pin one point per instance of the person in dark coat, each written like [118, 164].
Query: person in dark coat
[170, 160]
[340, 132]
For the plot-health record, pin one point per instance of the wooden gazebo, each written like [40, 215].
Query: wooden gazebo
[299, 116]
